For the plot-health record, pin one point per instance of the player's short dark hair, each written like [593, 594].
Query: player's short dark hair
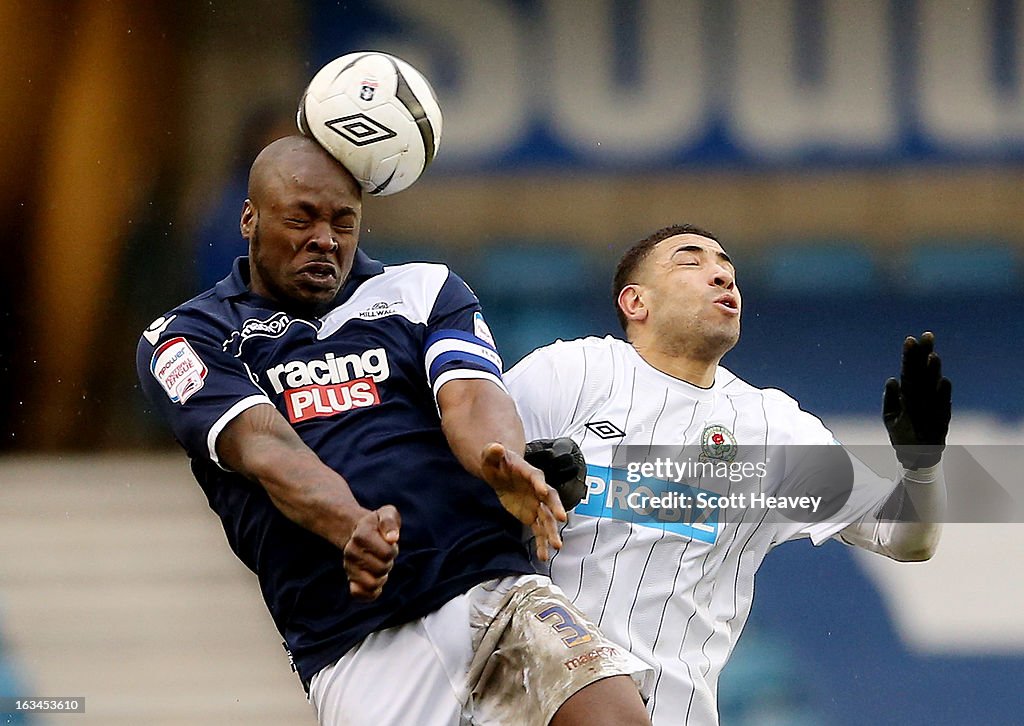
[629, 263]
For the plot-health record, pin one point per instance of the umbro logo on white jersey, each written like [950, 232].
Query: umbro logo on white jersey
[605, 429]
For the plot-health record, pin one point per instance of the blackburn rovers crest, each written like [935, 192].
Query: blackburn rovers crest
[717, 443]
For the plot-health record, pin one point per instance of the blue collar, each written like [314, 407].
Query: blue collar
[237, 283]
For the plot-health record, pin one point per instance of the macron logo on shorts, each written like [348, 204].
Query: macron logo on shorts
[330, 385]
[178, 369]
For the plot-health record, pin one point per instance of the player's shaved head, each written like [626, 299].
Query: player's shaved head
[301, 220]
[281, 161]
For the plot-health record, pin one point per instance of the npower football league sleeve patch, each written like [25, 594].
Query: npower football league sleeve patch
[178, 369]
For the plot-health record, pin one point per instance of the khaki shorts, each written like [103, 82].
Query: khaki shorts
[508, 652]
[533, 649]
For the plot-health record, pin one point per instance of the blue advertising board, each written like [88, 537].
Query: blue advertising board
[657, 84]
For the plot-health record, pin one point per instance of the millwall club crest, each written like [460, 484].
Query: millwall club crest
[717, 443]
[380, 309]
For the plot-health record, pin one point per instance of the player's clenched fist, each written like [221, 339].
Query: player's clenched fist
[371, 551]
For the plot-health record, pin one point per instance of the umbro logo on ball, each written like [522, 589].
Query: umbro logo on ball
[360, 129]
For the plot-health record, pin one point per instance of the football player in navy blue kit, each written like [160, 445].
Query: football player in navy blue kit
[345, 418]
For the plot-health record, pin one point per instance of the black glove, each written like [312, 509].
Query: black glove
[563, 465]
[916, 408]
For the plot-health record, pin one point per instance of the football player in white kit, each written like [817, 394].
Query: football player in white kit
[667, 577]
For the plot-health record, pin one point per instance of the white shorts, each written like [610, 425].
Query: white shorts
[509, 651]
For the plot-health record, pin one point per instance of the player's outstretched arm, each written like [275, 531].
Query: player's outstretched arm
[486, 435]
[916, 410]
[262, 446]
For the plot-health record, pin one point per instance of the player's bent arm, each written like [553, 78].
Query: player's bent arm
[486, 435]
[908, 526]
[262, 446]
[475, 413]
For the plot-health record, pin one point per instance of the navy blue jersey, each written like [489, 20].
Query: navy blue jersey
[359, 385]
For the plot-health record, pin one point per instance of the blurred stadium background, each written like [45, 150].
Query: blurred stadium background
[863, 161]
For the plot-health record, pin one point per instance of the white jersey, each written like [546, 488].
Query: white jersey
[677, 593]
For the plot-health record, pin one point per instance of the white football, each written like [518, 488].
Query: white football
[377, 115]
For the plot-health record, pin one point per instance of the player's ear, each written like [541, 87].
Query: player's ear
[631, 303]
[248, 221]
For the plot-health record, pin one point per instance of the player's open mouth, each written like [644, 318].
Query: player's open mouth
[320, 271]
[728, 303]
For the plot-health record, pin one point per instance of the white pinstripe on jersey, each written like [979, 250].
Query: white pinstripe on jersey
[676, 595]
